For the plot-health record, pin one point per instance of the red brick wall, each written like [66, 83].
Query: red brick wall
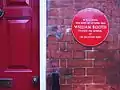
[80, 67]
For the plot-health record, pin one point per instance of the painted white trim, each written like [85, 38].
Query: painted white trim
[42, 41]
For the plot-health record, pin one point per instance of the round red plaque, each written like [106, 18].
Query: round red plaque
[90, 27]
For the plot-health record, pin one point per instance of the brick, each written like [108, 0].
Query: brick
[109, 38]
[99, 79]
[114, 23]
[53, 12]
[49, 70]
[113, 68]
[79, 1]
[91, 55]
[95, 71]
[68, 38]
[66, 1]
[113, 73]
[52, 63]
[111, 55]
[79, 63]
[65, 71]
[97, 87]
[78, 54]
[51, 38]
[87, 4]
[70, 12]
[79, 71]
[62, 46]
[98, 63]
[79, 6]
[115, 37]
[60, 5]
[116, 12]
[103, 46]
[67, 21]
[52, 21]
[102, 63]
[48, 64]
[80, 80]
[66, 55]
[51, 30]
[116, 20]
[62, 80]
[78, 46]
[102, 55]
[70, 46]
[60, 21]
[114, 45]
[113, 29]
[78, 87]
[55, 54]
[53, 46]
[66, 87]
[48, 54]
[63, 63]
[89, 48]
[63, 3]
[52, 4]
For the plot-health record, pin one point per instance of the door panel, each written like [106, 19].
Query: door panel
[19, 43]
[25, 12]
[18, 2]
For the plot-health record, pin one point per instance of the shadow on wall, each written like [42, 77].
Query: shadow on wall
[55, 31]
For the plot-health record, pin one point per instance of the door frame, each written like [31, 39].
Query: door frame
[42, 43]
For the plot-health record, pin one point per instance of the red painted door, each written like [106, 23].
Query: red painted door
[19, 44]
